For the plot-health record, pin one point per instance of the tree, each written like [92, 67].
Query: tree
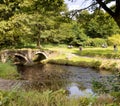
[97, 25]
[114, 13]
[14, 32]
[8, 8]
[45, 16]
[22, 21]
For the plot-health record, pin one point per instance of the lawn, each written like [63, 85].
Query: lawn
[87, 51]
[98, 58]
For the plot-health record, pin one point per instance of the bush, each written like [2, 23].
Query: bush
[114, 39]
[96, 42]
[96, 64]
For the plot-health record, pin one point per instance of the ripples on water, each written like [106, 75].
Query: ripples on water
[76, 80]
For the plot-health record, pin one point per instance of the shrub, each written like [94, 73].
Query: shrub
[114, 39]
[96, 42]
[96, 64]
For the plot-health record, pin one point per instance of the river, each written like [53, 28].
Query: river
[76, 80]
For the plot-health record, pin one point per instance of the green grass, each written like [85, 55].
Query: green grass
[34, 98]
[87, 51]
[59, 98]
[60, 48]
[89, 57]
[50, 98]
[8, 71]
[98, 52]
[75, 61]
[91, 52]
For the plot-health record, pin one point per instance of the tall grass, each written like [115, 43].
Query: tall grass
[48, 98]
[8, 71]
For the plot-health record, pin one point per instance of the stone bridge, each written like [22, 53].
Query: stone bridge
[23, 56]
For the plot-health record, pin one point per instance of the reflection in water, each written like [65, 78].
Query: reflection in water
[76, 80]
[74, 90]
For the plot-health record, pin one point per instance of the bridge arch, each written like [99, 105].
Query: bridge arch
[24, 56]
[20, 59]
[39, 56]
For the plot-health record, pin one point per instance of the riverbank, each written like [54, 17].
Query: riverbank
[49, 97]
[98, 63]
[97, 58]
[8, 71]
[52, 98]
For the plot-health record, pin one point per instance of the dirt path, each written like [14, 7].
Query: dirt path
[9, 84]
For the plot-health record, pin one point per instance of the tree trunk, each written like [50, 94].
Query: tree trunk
[116, 14]
[38, 41]
[117, 20]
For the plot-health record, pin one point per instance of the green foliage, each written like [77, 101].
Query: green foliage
[79, 35]
[75, 61]
[14, 31]
[114, 39]
[8, 71]
[47, 98]
[96, 64]
[116, 95]
[96, 42]
[98, 86]
[111, 86]
[99, 52]
[71, 33]
[8, 8]
[84, 17]
[45, 21]
[98, 24]
[49, 5]
[23, 22]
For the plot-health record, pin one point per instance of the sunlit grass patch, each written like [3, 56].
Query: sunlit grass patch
[99, 52]
[61, 48]
[8, 71]
[87, 51]
[75, 61]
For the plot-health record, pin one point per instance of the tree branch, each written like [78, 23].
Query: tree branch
[103, 5]
[75, 11]
[117, 10]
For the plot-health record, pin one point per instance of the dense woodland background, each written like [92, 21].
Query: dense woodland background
[26, 22]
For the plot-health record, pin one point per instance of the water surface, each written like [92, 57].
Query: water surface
[76, 80]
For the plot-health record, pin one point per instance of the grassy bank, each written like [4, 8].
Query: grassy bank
[50, 98]
[60, 98]
[100, 52]
[8, 71]
[98, 58]
[97, 63]
[87, 51]
[74, 60]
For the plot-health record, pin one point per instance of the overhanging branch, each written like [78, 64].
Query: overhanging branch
[74, 12]
[103, 5]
